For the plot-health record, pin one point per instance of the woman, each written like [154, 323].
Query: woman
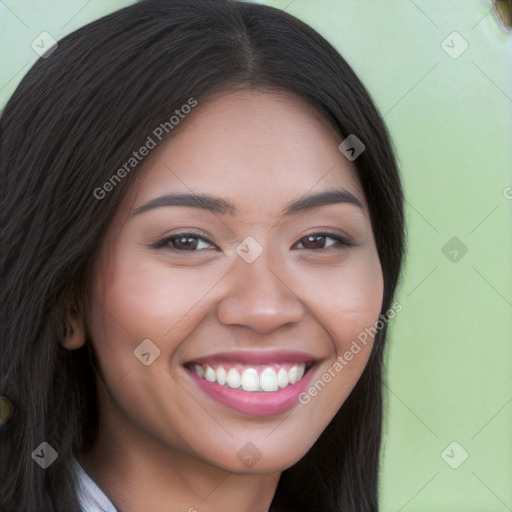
[203, 232]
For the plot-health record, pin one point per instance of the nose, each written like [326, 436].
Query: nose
[259, 298]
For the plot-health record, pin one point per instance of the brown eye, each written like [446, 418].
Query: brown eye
[183, 242]
[324, 240]
[314, 241]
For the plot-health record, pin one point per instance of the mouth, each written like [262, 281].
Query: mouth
[257, 384]
[252, 379]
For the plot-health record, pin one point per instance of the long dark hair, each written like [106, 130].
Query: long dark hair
[74, 120]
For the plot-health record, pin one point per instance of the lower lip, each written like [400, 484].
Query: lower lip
[257, 403]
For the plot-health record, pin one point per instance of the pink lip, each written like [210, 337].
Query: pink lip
[254, 403]
[258, 403]
[255, 357]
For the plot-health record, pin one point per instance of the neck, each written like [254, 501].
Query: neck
[152, 476]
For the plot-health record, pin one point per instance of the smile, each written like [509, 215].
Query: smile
[258, 378]
[253, 383]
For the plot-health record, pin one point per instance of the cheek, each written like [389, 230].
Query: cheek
[137, 298]
[345, 300]
[134, 300]
[148, 298]
[347, 303]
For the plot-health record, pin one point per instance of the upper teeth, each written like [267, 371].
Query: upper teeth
[260, 378]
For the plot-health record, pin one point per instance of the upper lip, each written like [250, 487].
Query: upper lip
[255, 357]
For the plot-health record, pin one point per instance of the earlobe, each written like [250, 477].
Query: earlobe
[74, 336]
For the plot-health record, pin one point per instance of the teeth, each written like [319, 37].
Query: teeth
[221, 375]
[268, 380]
[250, 380]
[233, 379]
[282, 378]
[199, 370]
[209, 374]
[265, 378]
[292, 375]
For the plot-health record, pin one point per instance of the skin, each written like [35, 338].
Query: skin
[161, 440]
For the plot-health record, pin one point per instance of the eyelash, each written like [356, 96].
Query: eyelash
[164, 242]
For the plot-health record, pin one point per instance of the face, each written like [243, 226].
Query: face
[239, 271]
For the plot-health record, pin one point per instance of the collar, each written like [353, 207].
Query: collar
[90, 496]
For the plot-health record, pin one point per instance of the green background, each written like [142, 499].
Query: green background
[449, 373]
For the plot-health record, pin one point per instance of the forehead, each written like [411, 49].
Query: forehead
[258, 149]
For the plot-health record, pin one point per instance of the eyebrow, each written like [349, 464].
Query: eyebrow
[221, 206]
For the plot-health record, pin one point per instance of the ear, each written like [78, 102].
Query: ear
[74, 336]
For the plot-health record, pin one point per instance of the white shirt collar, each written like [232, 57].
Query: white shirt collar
[91, 497]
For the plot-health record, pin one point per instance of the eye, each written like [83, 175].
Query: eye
[183, 242]
[193, 242]
[324, 241]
